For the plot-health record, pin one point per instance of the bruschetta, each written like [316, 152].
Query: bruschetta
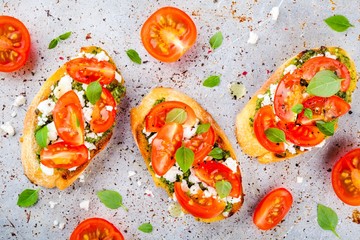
[298, 106]
[71, 118]
[188, 154]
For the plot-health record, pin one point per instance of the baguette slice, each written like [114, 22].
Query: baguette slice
[138, 115]
[244, 131]
[62, 178]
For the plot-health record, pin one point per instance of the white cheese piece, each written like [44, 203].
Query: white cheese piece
[85, 205]
[8, 128]
[253, 38]
[89, 145]
[101, 56]
[290, 69]
[46, 170]
[19, 101]
[138, 183]
[299, 179]
[152, 138]
[131, 173]
[91, 135]
[291, 148]
[82, 178]
[149, 193]
[329, 55]
[88, 55]
[194, 189]
[273, 88]
[170, 175]
[266, 101]
[118, 76]
[64, 85]
[72, 169]
[87, 111]
[46, 107]
[210, 192]
[189, 132]
[192, 177]
[233, 200]
[225, 214]
[231, 163]
[13, 114]
[52, 204]
[184, 186]
[61, 225]
[275, 11]
[52, 133]
[109, 108]
[56, 222]
[41, 120]
[145, 132]
[80, 95]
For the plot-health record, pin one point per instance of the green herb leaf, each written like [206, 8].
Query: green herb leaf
[325, 83]
[184, 157]
[338, 23]
[65, 36]
[327, 128]
[146, 227]
[111, 199]
[297, 108]
[28, 197]
[93, 92]
[223, 188]
[134, 56]
[217, 153]
[41, 136]
[212, 81]
[327, 218]
[176, 115]
[216, 40]
[275, 135]
[203, 128]
[308, 113]
[53, 43]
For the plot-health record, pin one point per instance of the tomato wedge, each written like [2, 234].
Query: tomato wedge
[345, 178]
[314, 65]
[14, 44]
[63, 155]
[87, 70]
[264, 119]
[168, 33]
[157, 115]
[96, 228]
[197, 205]
[272, 208]
[104, 112]
[68, 118]
[164, 146]
[212, 171]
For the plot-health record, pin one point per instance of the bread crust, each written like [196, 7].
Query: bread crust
[61, 178]
[137, 119]
[244, 132]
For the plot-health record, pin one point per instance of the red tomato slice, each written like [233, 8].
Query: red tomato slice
[314, 65]
[63, 155]
[197, 205]
[211, 171]
[164, 146]
[87, 70]
[156, 117]
[168, 33]
[272, 208]
[14, 44]
[345, 178]
[96, 228]
[326, 109]
[264, 119]
[68, 118]
[201, 144]
[104, 113]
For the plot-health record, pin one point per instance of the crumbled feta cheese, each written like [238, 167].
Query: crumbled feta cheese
[138, 183]
[192, 177]
[13, 114]
[320, 145]
[82, 178]
[91, 135]
[52, 204]
[46, 170]
[52, 133]
[19, 101]
[131, 173]
[145, 132]
[80, 95]
[8, 129]
[329, 55]
[85, 205]
[291, 148]
[275, 13]
[46, 107]
[231, 163]
[299, 179]
[152, 138]
[184, 186]
[61, 225]
[170, 175]
[253, 38]
[189, 132]
[72, 169]
[149, 193]
[290, 69]
[225, 214]
[118, 76]
[210, 192]
[109, 108]
[41, 120]
[273, 88]
[64, 85]
[101, 56]
[56, 222]
[89, 145]
[87, 111]
[194, 189]
[233, 200]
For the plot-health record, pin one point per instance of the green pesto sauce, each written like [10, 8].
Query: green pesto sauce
[158, 101]
[117, 90]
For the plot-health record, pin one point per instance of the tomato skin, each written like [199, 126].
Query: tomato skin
[212, 171]
[264, 119]
[102, 119]
[96, 228]
[209, 209]
[168, 33]
[164, 146]
[347, 169]
[278, 200]
[63, 155]
[155, 119]
[14, 44]
[87, 70]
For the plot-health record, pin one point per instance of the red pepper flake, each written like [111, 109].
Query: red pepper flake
[268, 71]
[210, 51]
[61, 58]
[286, 29]
[244, 73]
[88, 36]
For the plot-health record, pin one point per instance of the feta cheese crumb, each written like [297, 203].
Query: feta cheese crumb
[118, 76]
[131, 173]
[290, 69]
[87, 111]
[275, 13]
[299, 179]
[109, 108]
[46, 170]
[13, 114]
[52, 133]
[152, 138]
[329, 55]
[149, 193]
[85, 205]
[8, 129]
[193, 178]
[56, 222]
[194, 189]
[101, 56]
[291, 148]
[64, 85]
[19, 101]
[139, 183]
[231, 163]
[72, 169]
[61, 225]
[233, 200]
[184, 186]
[52, 204]
[253, 38]
[89, 145]
[170, 175]
[82, 178]
[46, 107]
[225, 214]
[189, 132]
[210, 192]
[80, 95]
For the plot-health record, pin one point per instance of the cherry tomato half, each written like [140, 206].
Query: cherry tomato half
[197, 205]
[96, 228]
[14, 44]
[272, 208]
[164, 147]
[87, 70]
[63, 155]
[345, 178]
[104, 113]
[168, 33]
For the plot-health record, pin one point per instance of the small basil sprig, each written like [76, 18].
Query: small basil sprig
[111, 199]
[297, 108]
[146, 228]
[212, 81]
[134, 56]
[28, 197]
[203, 128]
[41, 136]
[93, 92]
[216, 40]
[223, 188]
[55, 41]
[338, 23]
[308, 113]
[217, 153]
[275, 135]
[184, 157]
[327, 128]
[325, 83]
[327, 218]
[176, 115]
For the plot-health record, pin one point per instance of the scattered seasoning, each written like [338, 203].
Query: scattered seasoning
[237, 90]
[356, 216]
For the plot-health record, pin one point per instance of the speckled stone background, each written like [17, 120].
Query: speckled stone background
[115, 26]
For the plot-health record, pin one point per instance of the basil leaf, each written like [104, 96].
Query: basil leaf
[41, 136]
[28, 197]
[65, 36]
[176, 115]
[184, 157]
[327, 218]
[275, 135]
[53, 43]
[134, 56]
[93, 92]
[217, 153]
[146, 227]
[338, 23]
[327, 128]
[212, 81]
[216, 40]
[56, 41]
[297, 108]
[203, 128]
[223, 188]
[324, 84]
[308, 113]
[111, 199]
